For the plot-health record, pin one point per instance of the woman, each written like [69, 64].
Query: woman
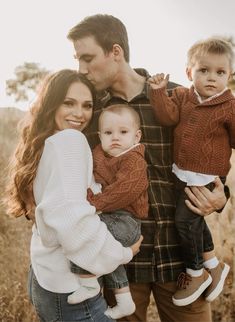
[53, 168]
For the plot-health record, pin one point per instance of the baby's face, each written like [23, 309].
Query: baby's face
[210, 74]
[118, 132]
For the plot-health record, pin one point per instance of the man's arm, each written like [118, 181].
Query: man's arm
[203, 202]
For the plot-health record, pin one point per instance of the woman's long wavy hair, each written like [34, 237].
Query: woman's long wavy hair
[36, 127]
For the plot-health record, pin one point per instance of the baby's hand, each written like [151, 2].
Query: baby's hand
[90, 194]
[158, 81]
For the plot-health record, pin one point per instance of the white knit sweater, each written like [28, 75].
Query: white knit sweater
[67, 228]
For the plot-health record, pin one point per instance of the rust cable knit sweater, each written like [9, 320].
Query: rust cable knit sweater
[124, 181]
[205, 132]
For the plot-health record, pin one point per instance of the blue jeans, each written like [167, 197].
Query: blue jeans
[127, 230]
[195, 236]
[51, 307]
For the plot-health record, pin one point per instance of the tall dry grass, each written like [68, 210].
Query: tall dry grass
[223, 230]
[15, 236]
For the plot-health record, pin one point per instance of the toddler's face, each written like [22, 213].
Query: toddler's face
[210, 74]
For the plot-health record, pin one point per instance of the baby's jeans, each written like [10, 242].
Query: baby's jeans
[127, 230]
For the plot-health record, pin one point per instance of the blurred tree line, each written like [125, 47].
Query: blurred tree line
[231, 83]
[27, 79]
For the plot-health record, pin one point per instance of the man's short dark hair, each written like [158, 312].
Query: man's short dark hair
[107, 31]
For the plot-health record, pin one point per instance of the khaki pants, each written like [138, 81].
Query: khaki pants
[198, 311]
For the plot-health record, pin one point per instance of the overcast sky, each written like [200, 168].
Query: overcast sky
[160, 32]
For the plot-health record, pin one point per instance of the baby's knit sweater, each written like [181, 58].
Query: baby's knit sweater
[67, 227]
[205, 132]
[124, 181]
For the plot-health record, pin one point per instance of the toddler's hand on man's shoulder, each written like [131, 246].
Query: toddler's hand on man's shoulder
[158, 81]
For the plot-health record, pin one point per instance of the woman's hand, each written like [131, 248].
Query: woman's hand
[136, 247]
[203, 201]
[30, 215]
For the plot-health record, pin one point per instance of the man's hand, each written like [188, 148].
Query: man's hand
[158, 81]
[203, 201]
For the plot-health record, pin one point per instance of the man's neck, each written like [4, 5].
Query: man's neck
[128, 84]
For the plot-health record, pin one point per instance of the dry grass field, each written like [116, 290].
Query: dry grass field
[15, 236]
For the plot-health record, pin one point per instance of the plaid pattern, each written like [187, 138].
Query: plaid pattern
[159, 258]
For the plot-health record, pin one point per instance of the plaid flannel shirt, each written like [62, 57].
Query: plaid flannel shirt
[159, 258]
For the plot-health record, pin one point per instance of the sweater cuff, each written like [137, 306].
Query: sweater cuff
[158, 91]
[150, 91]
[128, 255]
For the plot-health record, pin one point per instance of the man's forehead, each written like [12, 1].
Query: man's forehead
[87, 47]
[85, 43]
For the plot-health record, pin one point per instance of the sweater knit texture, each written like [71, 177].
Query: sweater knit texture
[124, 181]
[205, 132]
[67, 228]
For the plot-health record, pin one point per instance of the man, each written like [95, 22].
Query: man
[102, 50]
